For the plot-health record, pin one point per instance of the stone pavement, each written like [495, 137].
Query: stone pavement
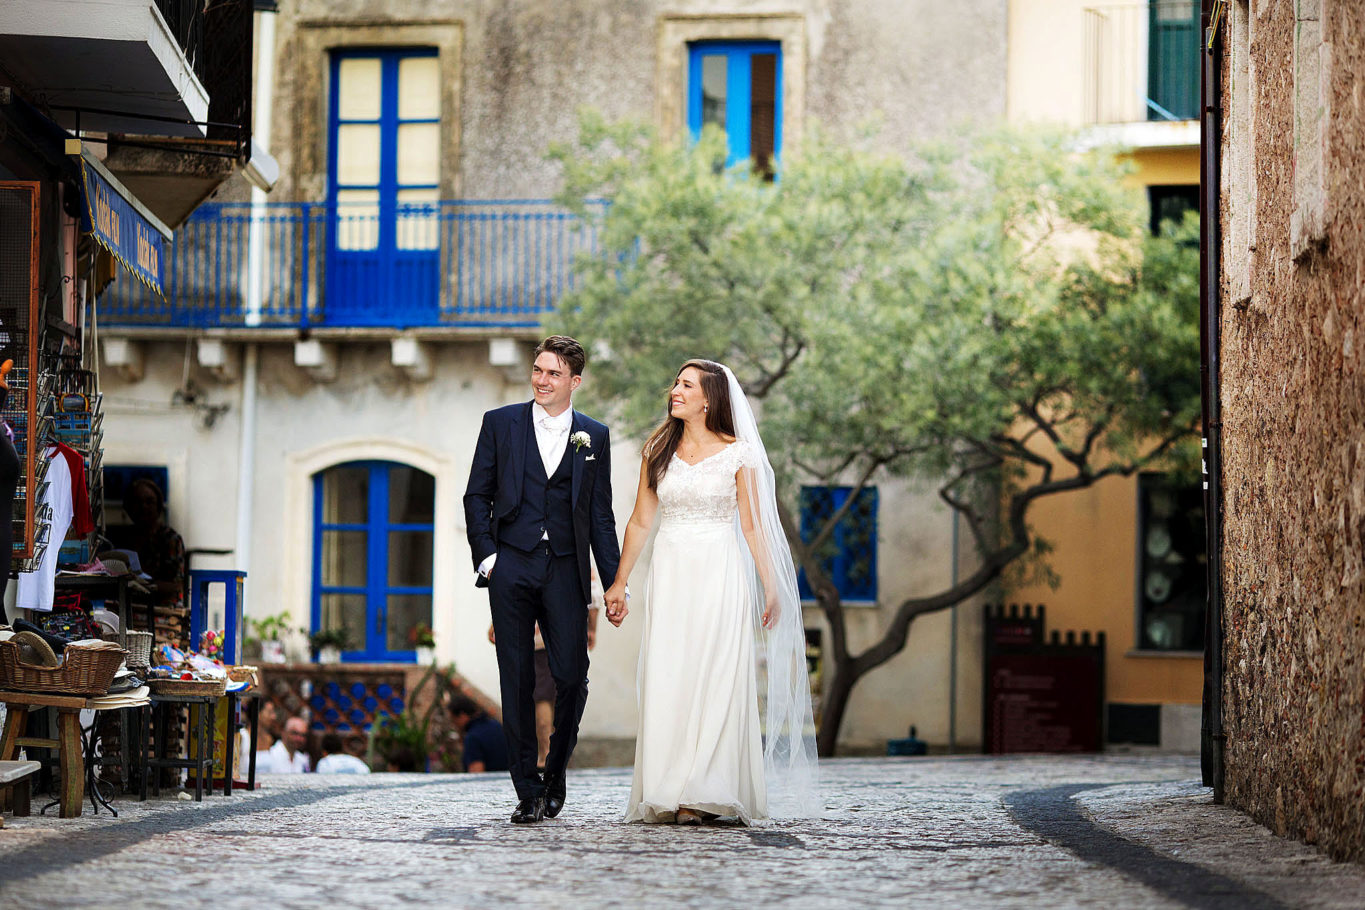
[1113, 831]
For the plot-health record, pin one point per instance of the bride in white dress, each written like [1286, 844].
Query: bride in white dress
[725, 719]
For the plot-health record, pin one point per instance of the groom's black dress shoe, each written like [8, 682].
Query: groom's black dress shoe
[554, 794]
[529, 811]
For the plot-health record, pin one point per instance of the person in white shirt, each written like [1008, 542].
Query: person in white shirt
[336, 760]
[288, 756]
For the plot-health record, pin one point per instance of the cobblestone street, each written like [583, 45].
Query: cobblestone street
[1112, 831]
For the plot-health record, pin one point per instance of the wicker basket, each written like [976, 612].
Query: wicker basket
[83, 671]
[242, 673]
[139, 648]
[187, 686]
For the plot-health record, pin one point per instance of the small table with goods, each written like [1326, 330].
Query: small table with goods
[79, 681]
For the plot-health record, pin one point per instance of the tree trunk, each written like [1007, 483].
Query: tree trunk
[832, 712]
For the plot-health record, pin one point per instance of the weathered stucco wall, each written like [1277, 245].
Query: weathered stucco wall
[516, 73]
[1293, 392]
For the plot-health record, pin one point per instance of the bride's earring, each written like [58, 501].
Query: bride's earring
[706, 409]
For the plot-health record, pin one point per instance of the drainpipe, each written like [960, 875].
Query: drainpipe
[260, 128]
[1213, 738]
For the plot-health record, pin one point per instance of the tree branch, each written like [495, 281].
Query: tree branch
[841, 513]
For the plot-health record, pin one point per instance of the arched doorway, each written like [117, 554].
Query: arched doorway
[373, 529]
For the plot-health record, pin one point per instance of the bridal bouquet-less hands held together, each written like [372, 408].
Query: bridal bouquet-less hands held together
[615, 598]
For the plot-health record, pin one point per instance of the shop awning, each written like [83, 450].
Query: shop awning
[123, 225]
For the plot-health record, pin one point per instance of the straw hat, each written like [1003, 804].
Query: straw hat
[33, 650]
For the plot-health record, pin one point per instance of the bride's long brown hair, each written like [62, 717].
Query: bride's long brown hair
[663, 442]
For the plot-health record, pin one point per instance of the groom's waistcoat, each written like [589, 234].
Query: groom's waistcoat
[546, 504]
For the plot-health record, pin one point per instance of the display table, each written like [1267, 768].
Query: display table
[246, 701]
[70, 754]
[156, 717]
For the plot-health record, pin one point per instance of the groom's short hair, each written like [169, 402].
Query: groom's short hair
[567, 350]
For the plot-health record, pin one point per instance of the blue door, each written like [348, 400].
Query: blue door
[383, 257]
[372, 556]
[737, 85]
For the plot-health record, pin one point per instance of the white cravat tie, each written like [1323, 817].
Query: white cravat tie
[552, 435]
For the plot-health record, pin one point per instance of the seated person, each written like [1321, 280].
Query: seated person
[336, 760]
[484, 745]
[160, 549]
[290, 754]
[402, 761]
[267, 734]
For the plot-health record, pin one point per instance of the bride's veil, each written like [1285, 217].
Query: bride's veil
[789, 757]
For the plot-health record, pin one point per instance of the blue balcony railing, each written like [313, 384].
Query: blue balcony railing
[454, 262]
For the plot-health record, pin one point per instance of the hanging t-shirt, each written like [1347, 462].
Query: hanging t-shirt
[52, 519]
[81, 521]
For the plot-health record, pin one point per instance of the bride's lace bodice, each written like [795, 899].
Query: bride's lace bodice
[701, 493]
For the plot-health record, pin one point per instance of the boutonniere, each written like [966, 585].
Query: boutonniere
[581, 440]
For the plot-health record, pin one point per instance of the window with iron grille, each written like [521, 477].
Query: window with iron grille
[849, 554]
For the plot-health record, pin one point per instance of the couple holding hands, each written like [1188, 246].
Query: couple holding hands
[725, 727]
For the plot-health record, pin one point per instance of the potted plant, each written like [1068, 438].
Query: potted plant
[424, 641]
[266, 634]
[328, 644]
[402, 741]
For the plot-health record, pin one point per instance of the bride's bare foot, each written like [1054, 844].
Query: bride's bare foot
[687, 817]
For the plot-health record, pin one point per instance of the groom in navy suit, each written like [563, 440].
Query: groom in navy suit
[539, 497]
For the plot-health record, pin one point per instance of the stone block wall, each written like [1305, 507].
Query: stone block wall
[1293, 395]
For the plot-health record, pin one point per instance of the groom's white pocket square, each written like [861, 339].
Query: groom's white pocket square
[591, 458]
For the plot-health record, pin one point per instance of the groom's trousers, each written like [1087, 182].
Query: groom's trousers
[526, 588]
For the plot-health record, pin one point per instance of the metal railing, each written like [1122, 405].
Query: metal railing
[453, 262]
[185, 19]
[1142, 61]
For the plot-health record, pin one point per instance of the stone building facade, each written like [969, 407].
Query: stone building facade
[1292, 388]
[224, 399]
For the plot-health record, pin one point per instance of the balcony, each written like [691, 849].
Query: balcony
[1142, 67]
[306, 265]
[111, 64]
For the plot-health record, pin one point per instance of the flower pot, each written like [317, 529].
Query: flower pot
[272, 652]
[426, 655]
[331, 654]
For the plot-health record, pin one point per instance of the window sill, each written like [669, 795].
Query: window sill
[1186, 655]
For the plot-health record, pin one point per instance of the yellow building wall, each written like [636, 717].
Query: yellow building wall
[1094, 531]
[1173, 167]
[1094, 535]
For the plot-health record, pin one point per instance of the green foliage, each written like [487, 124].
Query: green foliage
[422, 636]
[269, 628]
[412, 732]
[328, 638]
[986, 314]
[904, 312]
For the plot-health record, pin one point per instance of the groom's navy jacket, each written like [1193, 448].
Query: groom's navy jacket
[502, 507]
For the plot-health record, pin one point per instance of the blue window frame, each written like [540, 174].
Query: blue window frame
[737, 85]
[849, 555]
[374, 525]
[383, 165]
